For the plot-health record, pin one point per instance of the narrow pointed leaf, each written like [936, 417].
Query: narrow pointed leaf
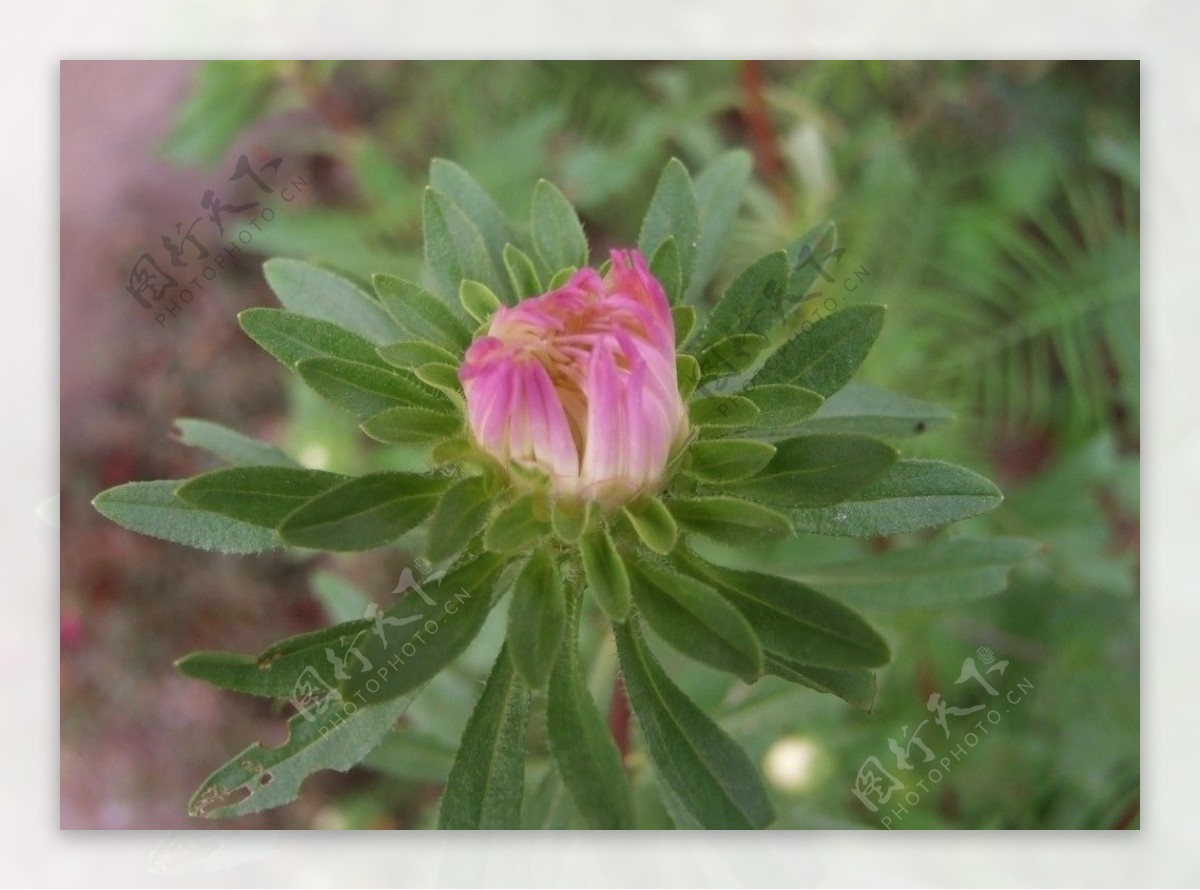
[793, 620]
[262, 496]
[781, 405]
[569, 521]
[672, 213]
[819, 470]
[318, 293]
[456, 183]
[516, 527]
[665, 266]
[733, 355]
[291, 337]
[365, 389]
[856, 687]
[414, 640]
[870, 411]
[913, 495]
[454, 247]
[755, 303]
[653, 523]
[558, 235]
[415, 353]
[260, 777]
[607, 577]
[420, 314]
[522, 274]
[708, 773]
[152, 508]
[722, 411]
[719, 188]
[366, 512]
[230, 445]
[583, 748]
[478, 300]
[536, 618]
[488, 777]
[931, 575]
[696, 620]
[729, 519]
[300, 668]
[458, 517]
[727, 460]
[684, 319]
[824, 357]
[411, 426]
[687, 372]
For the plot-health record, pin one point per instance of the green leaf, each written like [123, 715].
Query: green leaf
[665, 266]
[299, 668]
[291, 338]
[672, 213]
[722, 411]
[420, 314]
[443, 378]
[914, 494]
[517, 526]
[558, 237]
[753, 304]
[696, 620]
[225, 98]
[488, 777]
[814, 471]
[855, 687]
[793, 620]
[684, 320]
[454, 247]
[318, 293]
[781, 405]
[871, 411]
[583, 748]
[415, 354]
[719, 189]
[938, 574]
[687, 373]
[729, 519]
[152, 508]
[824, 357]
[478, 300]
[727, 460]
[411, 426]
[605, 571]
[536, 618]
[458, 517]
[653, 523]
[522, 274]
[429, 628]
[262, 496]
[711, 777]
[364, 513]
[260, 778]
[230, 445]
[734, 355]
[365, 389]
[453, 181]
[562, 276]
[568, 521]
[809, 254]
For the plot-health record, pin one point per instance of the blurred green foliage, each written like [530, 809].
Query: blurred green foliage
[993, 206]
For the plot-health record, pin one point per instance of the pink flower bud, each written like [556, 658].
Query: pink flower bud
[580, 385]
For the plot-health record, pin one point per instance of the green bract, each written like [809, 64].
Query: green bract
[782, 444]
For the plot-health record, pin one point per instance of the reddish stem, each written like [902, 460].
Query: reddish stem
[618, 717]
[762, 130]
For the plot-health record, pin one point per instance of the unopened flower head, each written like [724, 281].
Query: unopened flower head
[579, 385]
